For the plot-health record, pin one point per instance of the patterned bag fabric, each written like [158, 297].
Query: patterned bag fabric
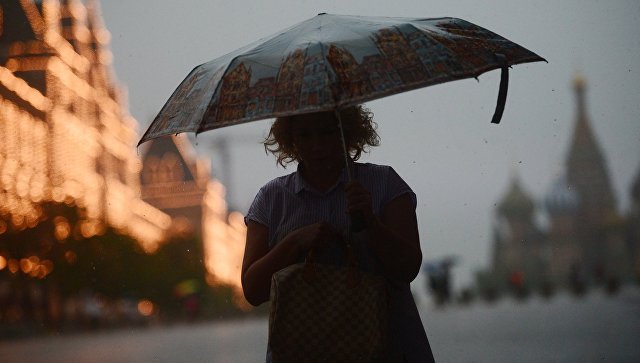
[322, 313]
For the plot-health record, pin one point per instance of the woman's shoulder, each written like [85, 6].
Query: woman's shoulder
[374, 170]
[280, 183]
[380, 175]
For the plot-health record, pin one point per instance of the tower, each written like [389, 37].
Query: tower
[588, 175]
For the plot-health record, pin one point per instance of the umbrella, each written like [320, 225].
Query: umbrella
[330, 62]
[333, 61]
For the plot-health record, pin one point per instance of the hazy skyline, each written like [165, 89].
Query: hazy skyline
[439, 138]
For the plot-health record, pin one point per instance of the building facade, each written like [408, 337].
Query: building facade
[71, 180]
[178, 182]
[66, 134]
[586, 240]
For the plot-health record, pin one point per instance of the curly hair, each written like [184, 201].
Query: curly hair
[357, 124]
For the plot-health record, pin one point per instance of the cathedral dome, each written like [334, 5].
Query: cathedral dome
[516, 203]
[561, 199]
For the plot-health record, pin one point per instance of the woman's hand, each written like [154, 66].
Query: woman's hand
[359, 201]
[260, 262]
[314, 236]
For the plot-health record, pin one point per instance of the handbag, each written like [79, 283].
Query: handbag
[326, 313]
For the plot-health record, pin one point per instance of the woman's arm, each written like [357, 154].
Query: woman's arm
[393, 236]
[260, 263]
[395, 240]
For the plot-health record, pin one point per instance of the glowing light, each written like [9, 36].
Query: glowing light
[57, 194]
[26, 265]
[105, 57]
[86, 229]
[13, 65]
[236, 219]
[36, 192]
[48, 266]
[145, 307]
[16, 48]
[17, 221]
[82, 34]
[66, 51]
[14, 266]
[223, 239]
[78, 11]
[62, 229]
[70, 257]
[22, 187]
[32, 220]
[3, 263]
[23, 90]
[57, 160]
[103, 36]
[33, 15]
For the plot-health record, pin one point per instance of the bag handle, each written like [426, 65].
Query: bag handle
[310, 272]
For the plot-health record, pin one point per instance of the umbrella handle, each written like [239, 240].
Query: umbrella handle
[357, 218]
[502, 93]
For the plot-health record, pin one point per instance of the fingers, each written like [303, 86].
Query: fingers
[326, 234]
[316, 236]
[358, 199]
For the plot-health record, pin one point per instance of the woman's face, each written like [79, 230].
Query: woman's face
[316, 138]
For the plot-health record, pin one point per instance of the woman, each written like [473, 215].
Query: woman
[308, 209]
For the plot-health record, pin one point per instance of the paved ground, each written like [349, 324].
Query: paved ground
[595, 329]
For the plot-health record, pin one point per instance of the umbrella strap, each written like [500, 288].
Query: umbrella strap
[504, 86]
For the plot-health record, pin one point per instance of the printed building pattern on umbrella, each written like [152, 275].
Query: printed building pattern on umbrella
[402, 56]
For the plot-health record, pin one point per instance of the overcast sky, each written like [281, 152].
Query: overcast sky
[439, 138]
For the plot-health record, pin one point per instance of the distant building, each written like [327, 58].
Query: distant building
[180, 184]
[586, 241]
[74, 195]
[518, 243]
[66, 136]
[567, 253]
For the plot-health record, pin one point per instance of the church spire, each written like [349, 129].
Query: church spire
[579, 85]
[587, 170]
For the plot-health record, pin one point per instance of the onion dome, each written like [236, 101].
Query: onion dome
[516, 203]
[561, 199]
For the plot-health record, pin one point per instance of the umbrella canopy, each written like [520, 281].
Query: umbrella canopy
[333, 61]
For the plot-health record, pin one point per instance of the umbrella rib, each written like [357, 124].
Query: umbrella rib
[215, 93]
